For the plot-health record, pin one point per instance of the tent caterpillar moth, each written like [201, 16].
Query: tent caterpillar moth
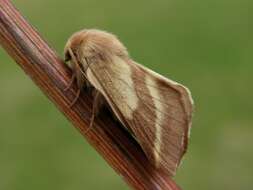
[157, 110]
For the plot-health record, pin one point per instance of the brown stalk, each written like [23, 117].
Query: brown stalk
[50, 74]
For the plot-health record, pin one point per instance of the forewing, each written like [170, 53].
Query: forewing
[156, 110]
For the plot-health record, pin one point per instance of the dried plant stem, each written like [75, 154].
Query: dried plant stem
[47, 70]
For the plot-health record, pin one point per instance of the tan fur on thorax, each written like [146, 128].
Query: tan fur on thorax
[91, 43]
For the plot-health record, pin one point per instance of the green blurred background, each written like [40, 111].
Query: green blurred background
[204, 44]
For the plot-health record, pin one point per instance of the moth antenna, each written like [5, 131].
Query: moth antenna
[73, 77]
[76, 62]
[83, 73]
[88, 64]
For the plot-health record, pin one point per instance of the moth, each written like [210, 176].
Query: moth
[155, 110]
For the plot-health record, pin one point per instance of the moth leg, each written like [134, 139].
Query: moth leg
[76, 98]
[73, 77]
[98, 102]
[70, 83]
[85, 84]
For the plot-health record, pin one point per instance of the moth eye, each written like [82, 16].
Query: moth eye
[67, 56]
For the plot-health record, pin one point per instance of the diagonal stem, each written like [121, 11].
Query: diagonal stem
[50, 74]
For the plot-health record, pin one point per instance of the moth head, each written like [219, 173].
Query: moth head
[71, 51]
[94, 45]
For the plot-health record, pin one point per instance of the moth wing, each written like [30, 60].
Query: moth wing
[157, 110]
